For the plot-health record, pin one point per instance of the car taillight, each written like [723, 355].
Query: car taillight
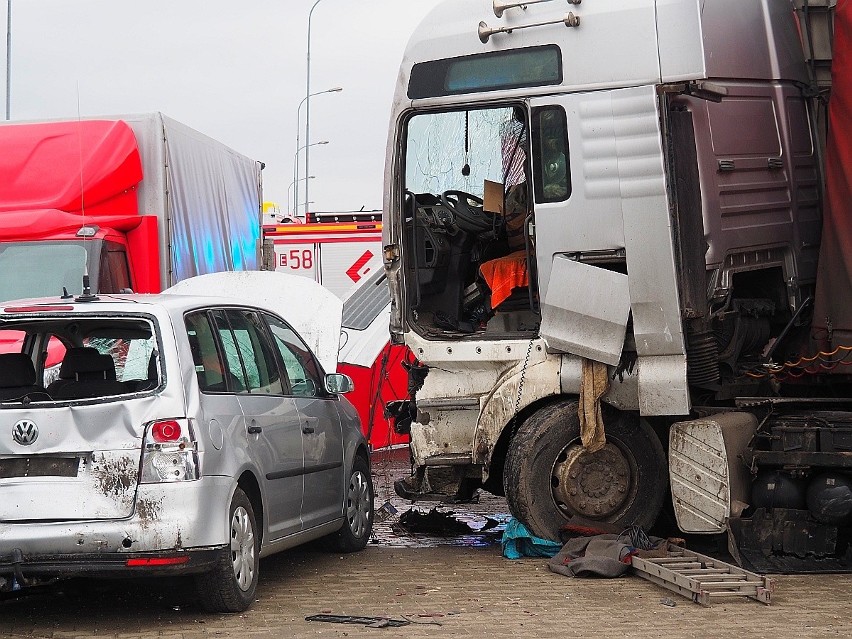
[165, 431]
[170, 452]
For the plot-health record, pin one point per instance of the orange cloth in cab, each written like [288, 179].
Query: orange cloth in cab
[505, 274]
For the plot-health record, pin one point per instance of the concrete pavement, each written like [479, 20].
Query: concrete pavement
[462, 583]
[471, 592]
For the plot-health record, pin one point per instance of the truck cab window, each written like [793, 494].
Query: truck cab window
[114, 274]
[550, 159]
[467, 186]
[41, 269]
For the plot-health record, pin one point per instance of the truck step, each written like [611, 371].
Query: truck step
[702, 578]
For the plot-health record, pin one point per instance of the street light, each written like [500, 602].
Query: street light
[298, 129]
[294, 182]
[308, 101]
[296, 159]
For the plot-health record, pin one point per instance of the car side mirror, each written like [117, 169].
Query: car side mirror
[338, 383]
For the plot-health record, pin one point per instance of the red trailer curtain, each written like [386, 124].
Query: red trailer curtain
[833, 302]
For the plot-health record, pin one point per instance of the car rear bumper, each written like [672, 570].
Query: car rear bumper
[19, 570]
[166, 518]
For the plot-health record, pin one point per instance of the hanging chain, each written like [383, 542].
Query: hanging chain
[514, 420]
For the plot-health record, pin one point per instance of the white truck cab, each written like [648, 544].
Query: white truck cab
[595, 215]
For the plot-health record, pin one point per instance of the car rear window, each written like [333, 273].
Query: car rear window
[78, 358]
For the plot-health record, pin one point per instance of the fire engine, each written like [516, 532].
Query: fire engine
[343, 253]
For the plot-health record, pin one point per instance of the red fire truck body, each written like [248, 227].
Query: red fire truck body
[346, 258]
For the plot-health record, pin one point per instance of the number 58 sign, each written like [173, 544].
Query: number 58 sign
[296, 259]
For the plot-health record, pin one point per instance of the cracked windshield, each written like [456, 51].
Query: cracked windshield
[455, 151]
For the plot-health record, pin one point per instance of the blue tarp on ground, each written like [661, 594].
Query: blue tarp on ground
[519, 542]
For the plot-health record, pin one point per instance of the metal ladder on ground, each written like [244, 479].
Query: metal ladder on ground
[702, 578]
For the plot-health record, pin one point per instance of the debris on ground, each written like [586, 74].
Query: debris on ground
[435, 522]
[385, 511]
[370, 622]
[605, 555]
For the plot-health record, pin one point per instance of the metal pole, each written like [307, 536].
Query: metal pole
[308, 110]
[298, 148]
[292, 184]
[8, 58]
[296, 159]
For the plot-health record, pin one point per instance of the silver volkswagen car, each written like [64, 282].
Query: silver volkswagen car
[169, 435]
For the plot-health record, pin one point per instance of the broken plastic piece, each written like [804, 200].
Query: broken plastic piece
[372, 622]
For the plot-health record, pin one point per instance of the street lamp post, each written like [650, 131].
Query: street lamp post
[292, 184]
[296, 181]
[298, 129]
[308, 103]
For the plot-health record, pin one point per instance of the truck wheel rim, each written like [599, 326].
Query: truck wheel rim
[358, 504]
[594, 485]
[242, 548]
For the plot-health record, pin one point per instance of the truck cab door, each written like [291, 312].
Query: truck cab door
[604, 245]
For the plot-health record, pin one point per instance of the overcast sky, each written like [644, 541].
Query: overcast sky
[234, 70]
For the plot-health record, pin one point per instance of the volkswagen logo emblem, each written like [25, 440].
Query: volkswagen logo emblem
[25, 432]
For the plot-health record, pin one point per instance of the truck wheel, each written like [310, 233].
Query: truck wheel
[549, 477]
[230, 586]
[358, 516]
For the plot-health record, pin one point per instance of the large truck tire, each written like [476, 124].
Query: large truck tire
[549, 477]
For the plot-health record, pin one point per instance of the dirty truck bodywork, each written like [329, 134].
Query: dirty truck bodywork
[652, 246]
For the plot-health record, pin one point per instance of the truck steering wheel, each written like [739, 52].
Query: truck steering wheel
[468, 212]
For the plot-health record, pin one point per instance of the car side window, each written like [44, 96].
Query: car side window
[245, 341]
[205, 355]
[50, 359]
[302, 369]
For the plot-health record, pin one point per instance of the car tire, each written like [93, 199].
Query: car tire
[358, 510]
[231, 585]
[549, 478]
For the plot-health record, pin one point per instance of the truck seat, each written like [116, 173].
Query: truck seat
[504, 275]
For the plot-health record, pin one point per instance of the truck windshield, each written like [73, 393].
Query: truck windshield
[41, 269]
[458, 150]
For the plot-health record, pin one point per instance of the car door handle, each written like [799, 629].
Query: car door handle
[254, 430]
[308, 428]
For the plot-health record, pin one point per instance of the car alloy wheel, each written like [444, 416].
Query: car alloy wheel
[242, 548]
[358, 504]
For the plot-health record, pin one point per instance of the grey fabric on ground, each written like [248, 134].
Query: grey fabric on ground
[597, 556]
